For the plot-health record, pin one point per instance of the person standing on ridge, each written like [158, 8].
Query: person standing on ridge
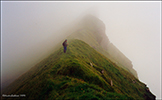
[65, 44]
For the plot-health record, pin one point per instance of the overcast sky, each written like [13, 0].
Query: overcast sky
[133, 27]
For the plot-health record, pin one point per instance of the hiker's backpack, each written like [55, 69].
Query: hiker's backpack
[63, 43]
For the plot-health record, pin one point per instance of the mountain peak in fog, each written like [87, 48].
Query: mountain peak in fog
[92, 30]
[92, 68]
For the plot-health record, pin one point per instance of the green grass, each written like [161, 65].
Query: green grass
[70, 76]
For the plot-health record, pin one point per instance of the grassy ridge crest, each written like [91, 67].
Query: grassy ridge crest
[71, 76]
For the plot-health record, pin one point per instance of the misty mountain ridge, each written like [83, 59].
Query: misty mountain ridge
[92, 30]
[92, 68]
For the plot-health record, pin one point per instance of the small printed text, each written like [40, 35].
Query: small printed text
[13, 95]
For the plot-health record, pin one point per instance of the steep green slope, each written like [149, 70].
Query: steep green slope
[92, 31]
[71, 76]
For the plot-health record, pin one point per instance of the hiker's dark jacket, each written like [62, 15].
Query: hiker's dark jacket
[64, 43]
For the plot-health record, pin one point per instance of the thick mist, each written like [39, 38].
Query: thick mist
[31, 30]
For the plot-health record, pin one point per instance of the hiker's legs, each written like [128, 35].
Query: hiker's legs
[65, 49]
